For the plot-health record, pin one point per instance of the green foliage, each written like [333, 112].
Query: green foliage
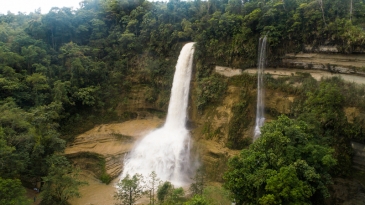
[197, 200]
[105, 178]
[5, 151]
[237, 126]
[245, 81]
[175, 197]
[130, 189]
[152, 186]
[210, 90]
[31, 136]
[168, 194]
[12, 192]
[92, 162]
[163, 191]
[216, 195]
[61, 183]
[325, 105]
[239, 121]
[63, 72]
[285, 165]
[322, 106]
[86, 95]
[212, 195]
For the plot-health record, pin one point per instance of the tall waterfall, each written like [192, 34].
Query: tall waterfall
[260, 90]
[167, 150]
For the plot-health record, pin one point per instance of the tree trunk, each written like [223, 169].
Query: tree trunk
[130, 197]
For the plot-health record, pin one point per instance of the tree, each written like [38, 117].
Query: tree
[285, 166]
[10, 84]
[16, 139]
[46, 138]
[61, 91]
[176, 196]
[326, 106]
[5, 152]
[130, 189]
[153, 183]
[216, 195]
[88, 95]
[12, 192]
[197, 200]
[38, 83]
[62, 182]
[163, 191]
[167, 194]
[32, 55]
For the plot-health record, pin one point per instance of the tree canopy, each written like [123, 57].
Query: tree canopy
[286, 165]
[61, 70]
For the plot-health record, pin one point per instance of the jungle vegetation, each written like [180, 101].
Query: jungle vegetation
[60, 72]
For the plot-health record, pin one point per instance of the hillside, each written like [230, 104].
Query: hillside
[210, 134]
[67, 72]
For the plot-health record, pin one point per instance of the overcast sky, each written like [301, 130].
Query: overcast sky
[28, 6]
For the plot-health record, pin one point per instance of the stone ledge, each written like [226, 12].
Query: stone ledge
[335, 63]
[226, 71]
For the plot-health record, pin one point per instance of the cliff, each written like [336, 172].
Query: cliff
[211, 128]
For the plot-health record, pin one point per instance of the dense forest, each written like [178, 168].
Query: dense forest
[64, 71]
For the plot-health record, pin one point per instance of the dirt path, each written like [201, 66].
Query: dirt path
[31, 194]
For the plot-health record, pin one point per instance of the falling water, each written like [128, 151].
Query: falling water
[167, 150]
[260, 90]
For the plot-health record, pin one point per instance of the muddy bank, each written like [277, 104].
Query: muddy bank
[112, 142]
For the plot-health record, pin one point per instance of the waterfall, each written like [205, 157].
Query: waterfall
[260, 90]
[167, 150]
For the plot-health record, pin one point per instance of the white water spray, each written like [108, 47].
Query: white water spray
[167, 150]
[260, 119]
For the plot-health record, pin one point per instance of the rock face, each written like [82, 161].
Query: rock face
[226, 71]
[335, 63]
[142, 102]
[210, 129]
[111, 142]
[329, 49]
[211, 133]
[321, 49]
[278, 102]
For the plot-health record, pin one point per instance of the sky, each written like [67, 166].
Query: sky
[27, 6]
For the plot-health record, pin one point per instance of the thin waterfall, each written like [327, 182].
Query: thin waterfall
[167, 150]
[260, 119]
